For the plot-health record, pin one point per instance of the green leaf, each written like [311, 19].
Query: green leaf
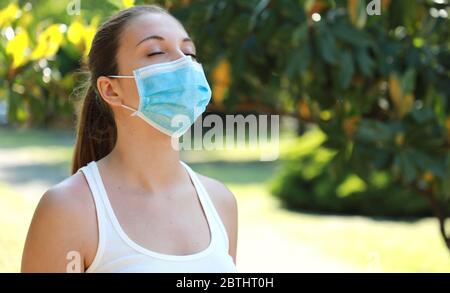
[300, 34]
[409, 80]
[406, 167]
[346, 70]
[365, 62]
[422, 115]
[327, 45]
[350, 35]
[426, 162]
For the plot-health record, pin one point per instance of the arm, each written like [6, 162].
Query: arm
[59, 236]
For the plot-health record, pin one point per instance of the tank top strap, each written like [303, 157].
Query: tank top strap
[208, 204]
[100, 210]
[94, 186]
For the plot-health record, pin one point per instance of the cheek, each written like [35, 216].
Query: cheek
[130, 93]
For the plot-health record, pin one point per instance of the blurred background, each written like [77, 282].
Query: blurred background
[362, 182]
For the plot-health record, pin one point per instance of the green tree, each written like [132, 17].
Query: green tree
[41, 50]
[377, 86]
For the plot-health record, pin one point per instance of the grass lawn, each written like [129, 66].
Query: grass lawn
[15, 216]
[286, 240]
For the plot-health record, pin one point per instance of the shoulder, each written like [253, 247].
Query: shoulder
[64, 221]
[67, 198]
[220, 194]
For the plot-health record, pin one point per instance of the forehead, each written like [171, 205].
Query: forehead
[149, 24]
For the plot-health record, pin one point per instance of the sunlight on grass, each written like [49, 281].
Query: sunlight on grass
[394, 246]
[248, 153]
[15, 216]
[17, 138]
[47, 155]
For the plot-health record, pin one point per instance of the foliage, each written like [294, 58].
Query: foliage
[308, 182]
[40, 53]
[377, 86]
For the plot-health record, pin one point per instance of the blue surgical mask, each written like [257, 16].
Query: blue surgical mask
[172, 95]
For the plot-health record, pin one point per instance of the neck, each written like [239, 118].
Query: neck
[145, 157]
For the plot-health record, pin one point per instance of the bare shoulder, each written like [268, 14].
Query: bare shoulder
[226, 205]
[64, 221]
[70, 197]
[221, 195]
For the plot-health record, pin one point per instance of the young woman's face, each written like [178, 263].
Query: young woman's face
[149, 39]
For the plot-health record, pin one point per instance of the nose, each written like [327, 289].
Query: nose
[176, 54]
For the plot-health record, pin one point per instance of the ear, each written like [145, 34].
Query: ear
[109, 90]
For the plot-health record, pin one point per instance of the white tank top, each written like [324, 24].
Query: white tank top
[116, 252]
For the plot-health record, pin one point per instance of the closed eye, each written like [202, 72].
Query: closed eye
[192, 55]
[158, 53]
[154, 53]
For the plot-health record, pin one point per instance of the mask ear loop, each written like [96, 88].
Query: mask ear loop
[131, 109]
[121, 76]
[125, 106]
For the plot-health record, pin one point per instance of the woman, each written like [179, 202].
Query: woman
[131, 204]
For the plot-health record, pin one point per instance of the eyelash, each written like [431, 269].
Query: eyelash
[157, 53]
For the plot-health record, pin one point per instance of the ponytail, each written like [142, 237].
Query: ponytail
[96, 130]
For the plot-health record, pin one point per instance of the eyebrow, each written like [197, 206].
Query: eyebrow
[156, 37]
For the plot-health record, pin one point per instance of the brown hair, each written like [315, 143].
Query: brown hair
[96, 128]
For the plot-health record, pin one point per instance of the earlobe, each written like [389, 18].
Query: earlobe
[109, 91]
